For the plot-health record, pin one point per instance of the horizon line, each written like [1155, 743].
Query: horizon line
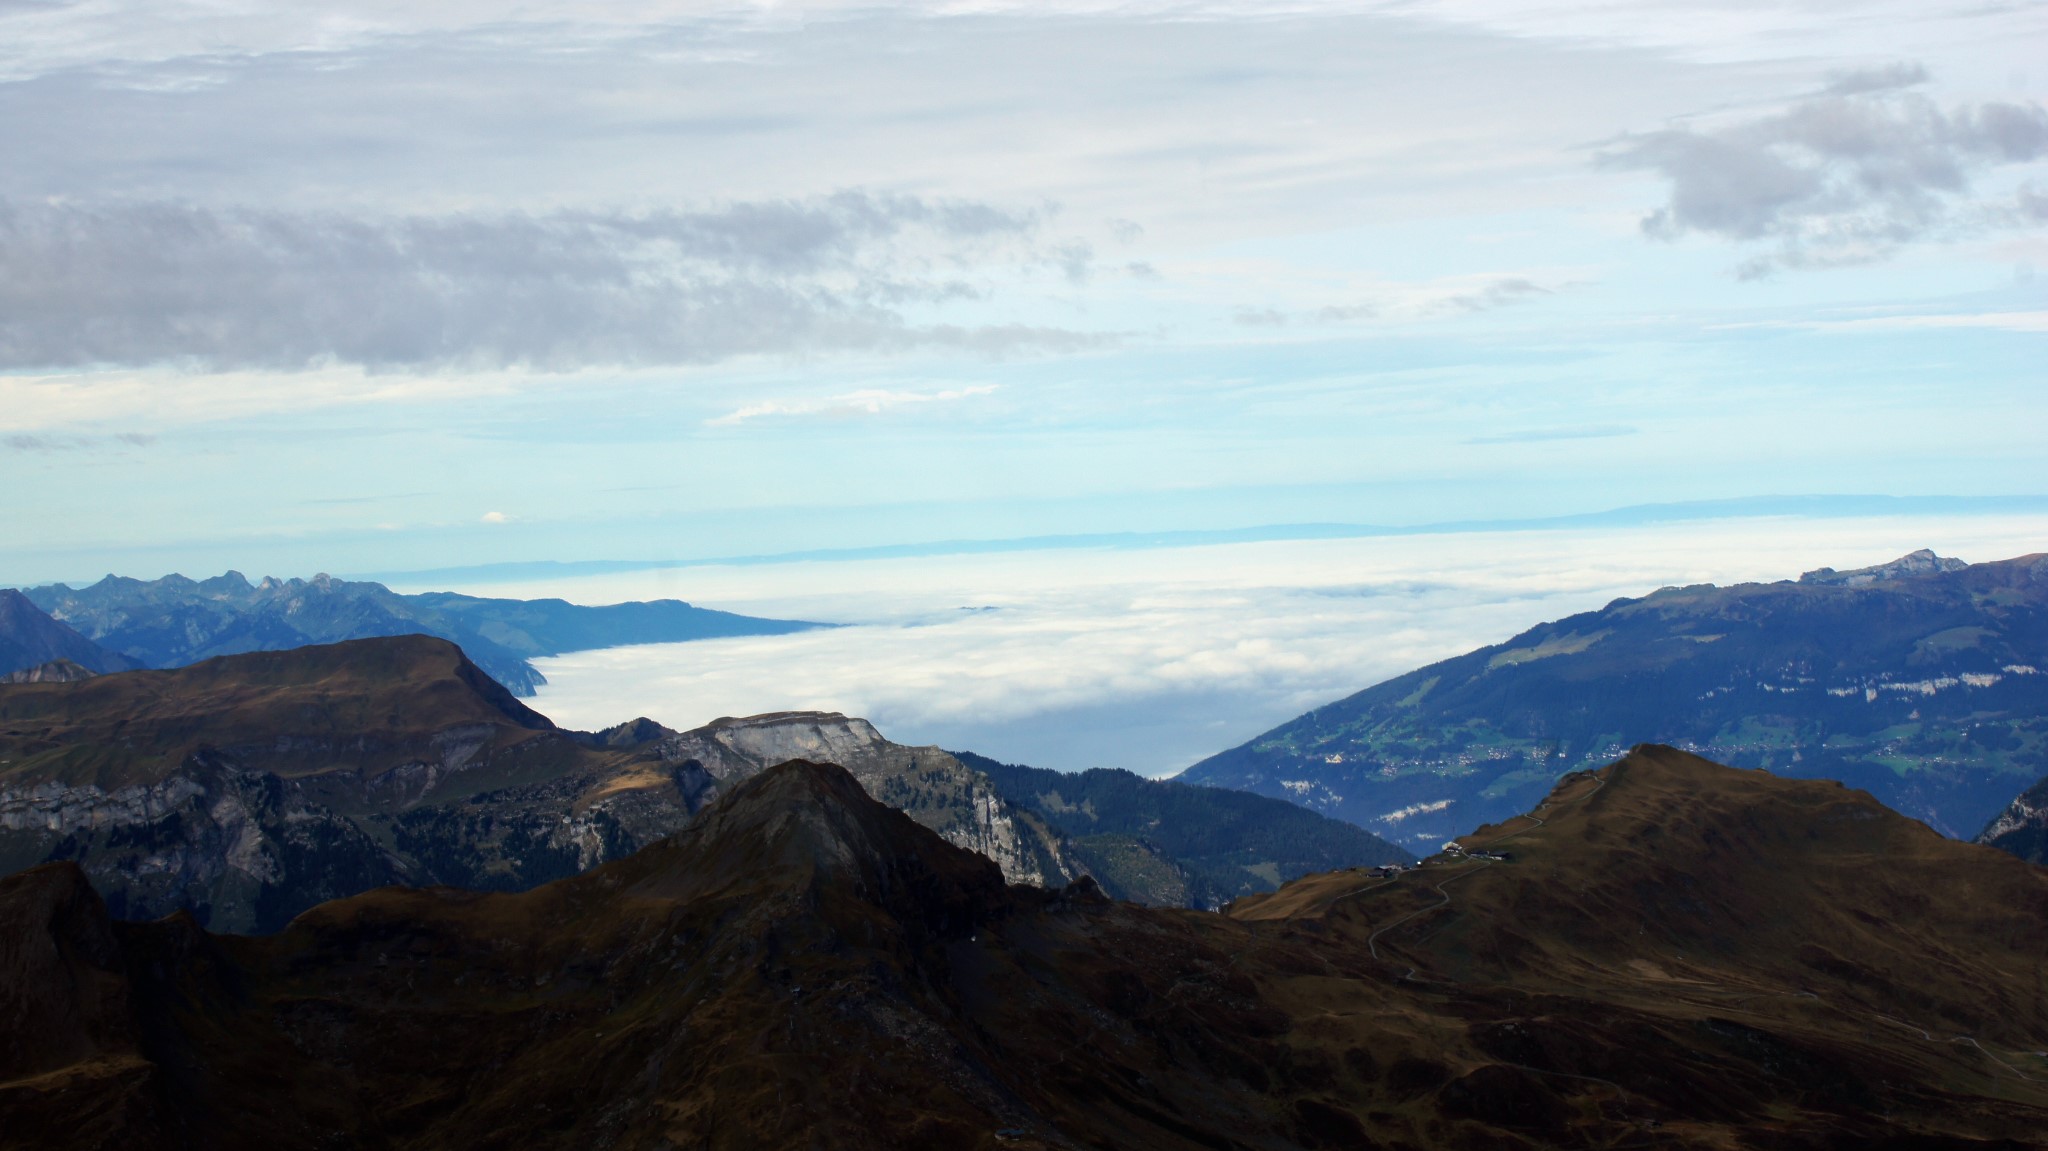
[1746, 507]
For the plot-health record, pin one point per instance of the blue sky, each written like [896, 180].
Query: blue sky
[376, 287]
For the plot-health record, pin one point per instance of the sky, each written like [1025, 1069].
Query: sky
[376, 288]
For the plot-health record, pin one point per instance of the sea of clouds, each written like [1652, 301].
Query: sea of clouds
[1153, 659]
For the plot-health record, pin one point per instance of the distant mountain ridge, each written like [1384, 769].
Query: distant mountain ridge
[1173, 844]
[248, 788]
[1923, 681]
[175, 621]
[30, 638]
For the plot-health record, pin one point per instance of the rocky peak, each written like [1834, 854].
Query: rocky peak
[229, 583]
[806, 825]
[936, 789]
[826, 737]
[1919, 563]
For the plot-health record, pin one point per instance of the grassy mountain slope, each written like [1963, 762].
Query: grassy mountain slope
[1922, 685]
[803, 967]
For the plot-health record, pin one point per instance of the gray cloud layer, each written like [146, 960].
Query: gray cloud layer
[148, 283]
[1844, 177]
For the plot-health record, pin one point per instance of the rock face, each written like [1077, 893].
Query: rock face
[2022, 828]
[931, 786]
[1924, 682]
[1920, 563]
[1678, 955]
[175, 621]
[1173, 844]
[55, 671]
[249, 788]
[31, 639]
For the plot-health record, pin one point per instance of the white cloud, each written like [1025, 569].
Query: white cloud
[495, 518]
[1844, 177]
[139, 284]
[865, 402]
[1225, 641]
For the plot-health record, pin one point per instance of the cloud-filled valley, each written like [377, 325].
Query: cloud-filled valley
[384, 287]
[1152, 659]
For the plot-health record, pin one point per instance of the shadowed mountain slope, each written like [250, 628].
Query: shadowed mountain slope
[174, 621]
[1178, 845]
[29, 638]
[248, 788]
[1922, 681]
[2022, 828]
[933, 786]
[803, 967]
[362, 705]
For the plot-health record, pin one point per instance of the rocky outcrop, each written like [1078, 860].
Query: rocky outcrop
[247, 789]
[55, 671]
[930, 785]
[2022, 828]
[1908, 566]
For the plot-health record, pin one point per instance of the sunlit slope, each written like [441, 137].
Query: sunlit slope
[1923, 686]
[1667, 870]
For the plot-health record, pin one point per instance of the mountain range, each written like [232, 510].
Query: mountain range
[29, 639]
[245, 789]
[1664, 953]
[174, 621]
[1922, 681]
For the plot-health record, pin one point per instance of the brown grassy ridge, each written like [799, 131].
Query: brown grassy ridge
[1677, 955]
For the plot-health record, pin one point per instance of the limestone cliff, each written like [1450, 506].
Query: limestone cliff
[928, 784]
[250, 788]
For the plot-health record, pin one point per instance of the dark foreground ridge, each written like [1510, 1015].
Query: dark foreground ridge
[1666, 953]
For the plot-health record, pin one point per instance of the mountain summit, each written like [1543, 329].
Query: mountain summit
[1666, 953]
[1919, 563]
[812, 827]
